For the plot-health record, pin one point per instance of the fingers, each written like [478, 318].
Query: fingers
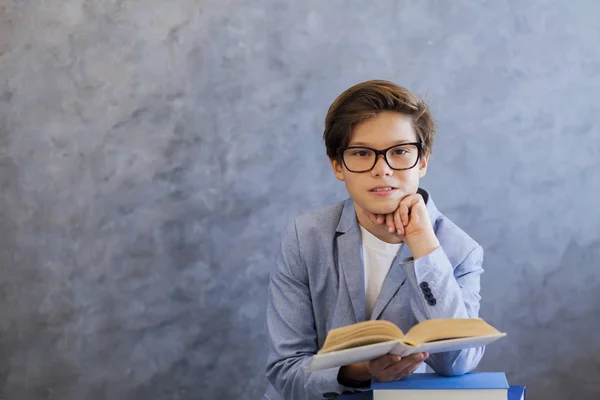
[381, 363]
[398, 223]
[372, 217]
[408, 371]
[404, 211]
[405, 363]
[414, 202]
[375, 218]
[401, 217]
[397, 368]
[403, 214]
[392, 221]
[389, 221]
[413, 212]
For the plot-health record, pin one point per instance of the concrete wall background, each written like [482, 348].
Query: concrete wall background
[152, 152]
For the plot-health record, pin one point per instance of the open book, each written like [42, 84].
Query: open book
[368, 340]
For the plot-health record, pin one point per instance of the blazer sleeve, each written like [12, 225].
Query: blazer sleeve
[439, 291]
[291, 329]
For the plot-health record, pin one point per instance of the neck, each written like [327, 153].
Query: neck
[379, 231]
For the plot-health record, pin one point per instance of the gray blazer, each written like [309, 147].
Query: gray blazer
[318, 284]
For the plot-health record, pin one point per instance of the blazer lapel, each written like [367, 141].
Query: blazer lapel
[394, 279]
[350, 259]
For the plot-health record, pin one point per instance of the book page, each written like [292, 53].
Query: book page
[450, 328]
[360, 334]
[369, 352]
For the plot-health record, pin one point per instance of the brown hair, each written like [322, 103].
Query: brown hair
[366, 100]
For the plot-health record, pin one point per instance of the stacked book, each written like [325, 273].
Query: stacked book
[473, 386]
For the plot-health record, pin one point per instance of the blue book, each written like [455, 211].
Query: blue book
[475, 386]
[514, 393]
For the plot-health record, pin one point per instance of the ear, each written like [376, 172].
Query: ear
[338, 169]
[423, 167]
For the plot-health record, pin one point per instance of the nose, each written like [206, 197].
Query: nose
[381, 167]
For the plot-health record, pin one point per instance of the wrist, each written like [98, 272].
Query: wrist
[423, 244]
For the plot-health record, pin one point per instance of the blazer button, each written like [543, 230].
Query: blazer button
[429, 296]
[424, 285]
[432, 302]
[426, 290]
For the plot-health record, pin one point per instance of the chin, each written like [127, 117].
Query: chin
[384, 207]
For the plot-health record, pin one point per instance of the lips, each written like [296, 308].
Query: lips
[382, 189]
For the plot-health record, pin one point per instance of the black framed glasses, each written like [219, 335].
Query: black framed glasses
[399, 157]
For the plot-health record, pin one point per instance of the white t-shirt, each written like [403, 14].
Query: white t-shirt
[377, 259]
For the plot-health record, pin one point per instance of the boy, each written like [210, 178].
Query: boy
[385, 253]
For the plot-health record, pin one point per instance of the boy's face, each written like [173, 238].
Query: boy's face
[380, 132]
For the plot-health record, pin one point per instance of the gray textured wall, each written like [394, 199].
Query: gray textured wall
[151, 153]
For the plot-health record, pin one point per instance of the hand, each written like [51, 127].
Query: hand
[411, 222]
[384, 369]
[392, 368]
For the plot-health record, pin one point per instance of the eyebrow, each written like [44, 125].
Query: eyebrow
[368, 145]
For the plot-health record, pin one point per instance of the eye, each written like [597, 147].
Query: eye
[360, 153]
[399, 152]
